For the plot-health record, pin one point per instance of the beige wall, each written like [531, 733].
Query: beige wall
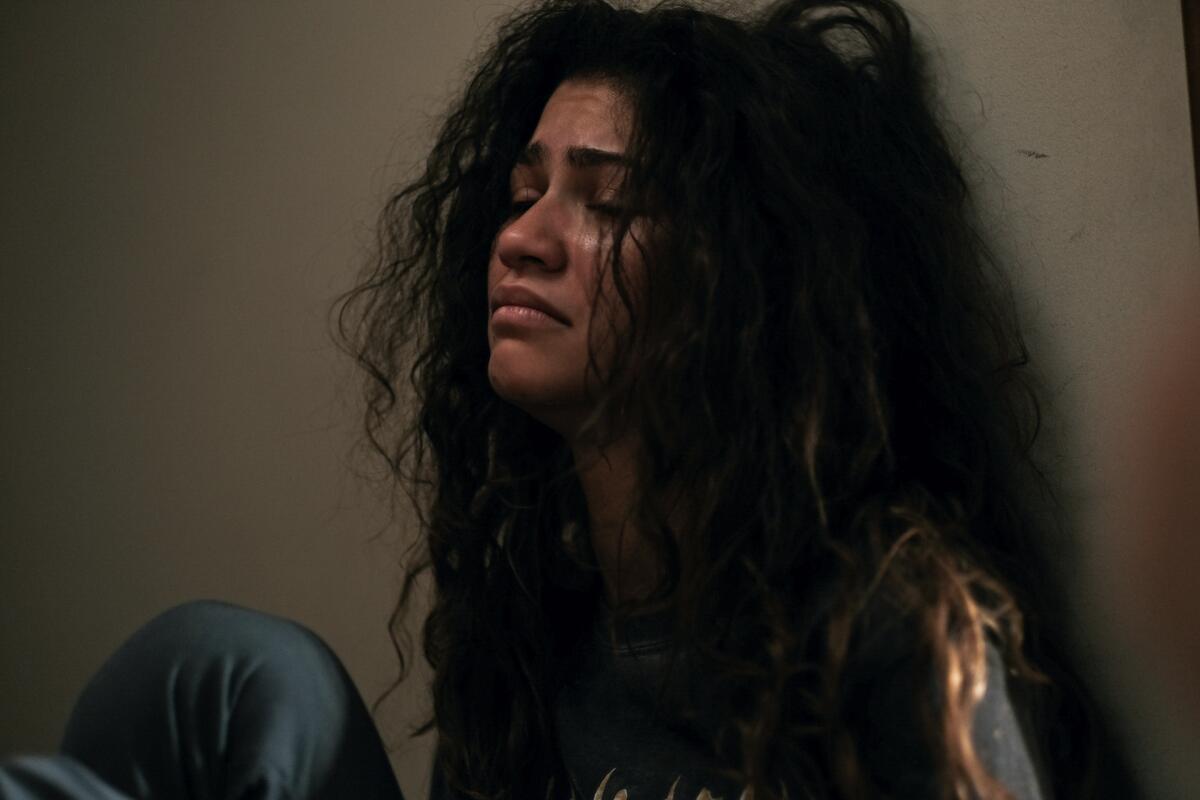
[187, 186]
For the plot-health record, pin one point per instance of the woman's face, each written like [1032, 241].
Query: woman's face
[549, 257]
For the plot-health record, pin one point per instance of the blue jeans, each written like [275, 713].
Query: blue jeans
[209, 700]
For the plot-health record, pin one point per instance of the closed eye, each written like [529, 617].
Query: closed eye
[518, 207]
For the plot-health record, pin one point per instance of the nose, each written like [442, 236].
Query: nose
[533, 239]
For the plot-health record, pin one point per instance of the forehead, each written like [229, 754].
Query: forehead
[584, 113]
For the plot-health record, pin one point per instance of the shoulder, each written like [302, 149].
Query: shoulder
[891, 698]
[1002, 734]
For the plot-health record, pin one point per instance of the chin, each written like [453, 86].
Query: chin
[540, 396]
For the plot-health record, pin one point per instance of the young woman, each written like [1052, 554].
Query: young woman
[720, 440]
[719, 444]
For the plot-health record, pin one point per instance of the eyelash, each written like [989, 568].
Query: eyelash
[519, 207]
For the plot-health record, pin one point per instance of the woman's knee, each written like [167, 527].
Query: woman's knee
[203, 681]
[207, 646]
[222, 630]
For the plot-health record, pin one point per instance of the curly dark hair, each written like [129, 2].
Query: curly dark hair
[823, 357]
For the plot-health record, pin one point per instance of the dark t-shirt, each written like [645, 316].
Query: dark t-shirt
[612, 739]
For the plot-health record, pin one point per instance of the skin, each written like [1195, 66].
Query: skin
[556, 244]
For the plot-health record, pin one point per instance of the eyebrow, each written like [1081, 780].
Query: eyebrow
[534, 154]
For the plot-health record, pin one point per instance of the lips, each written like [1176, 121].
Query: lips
[512, 295]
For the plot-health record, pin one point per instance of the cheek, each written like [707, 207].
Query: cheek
[613, 312]
[631, 281]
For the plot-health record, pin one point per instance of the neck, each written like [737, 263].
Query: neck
[608, 478]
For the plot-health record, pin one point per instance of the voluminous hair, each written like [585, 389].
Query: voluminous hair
[822, 357]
